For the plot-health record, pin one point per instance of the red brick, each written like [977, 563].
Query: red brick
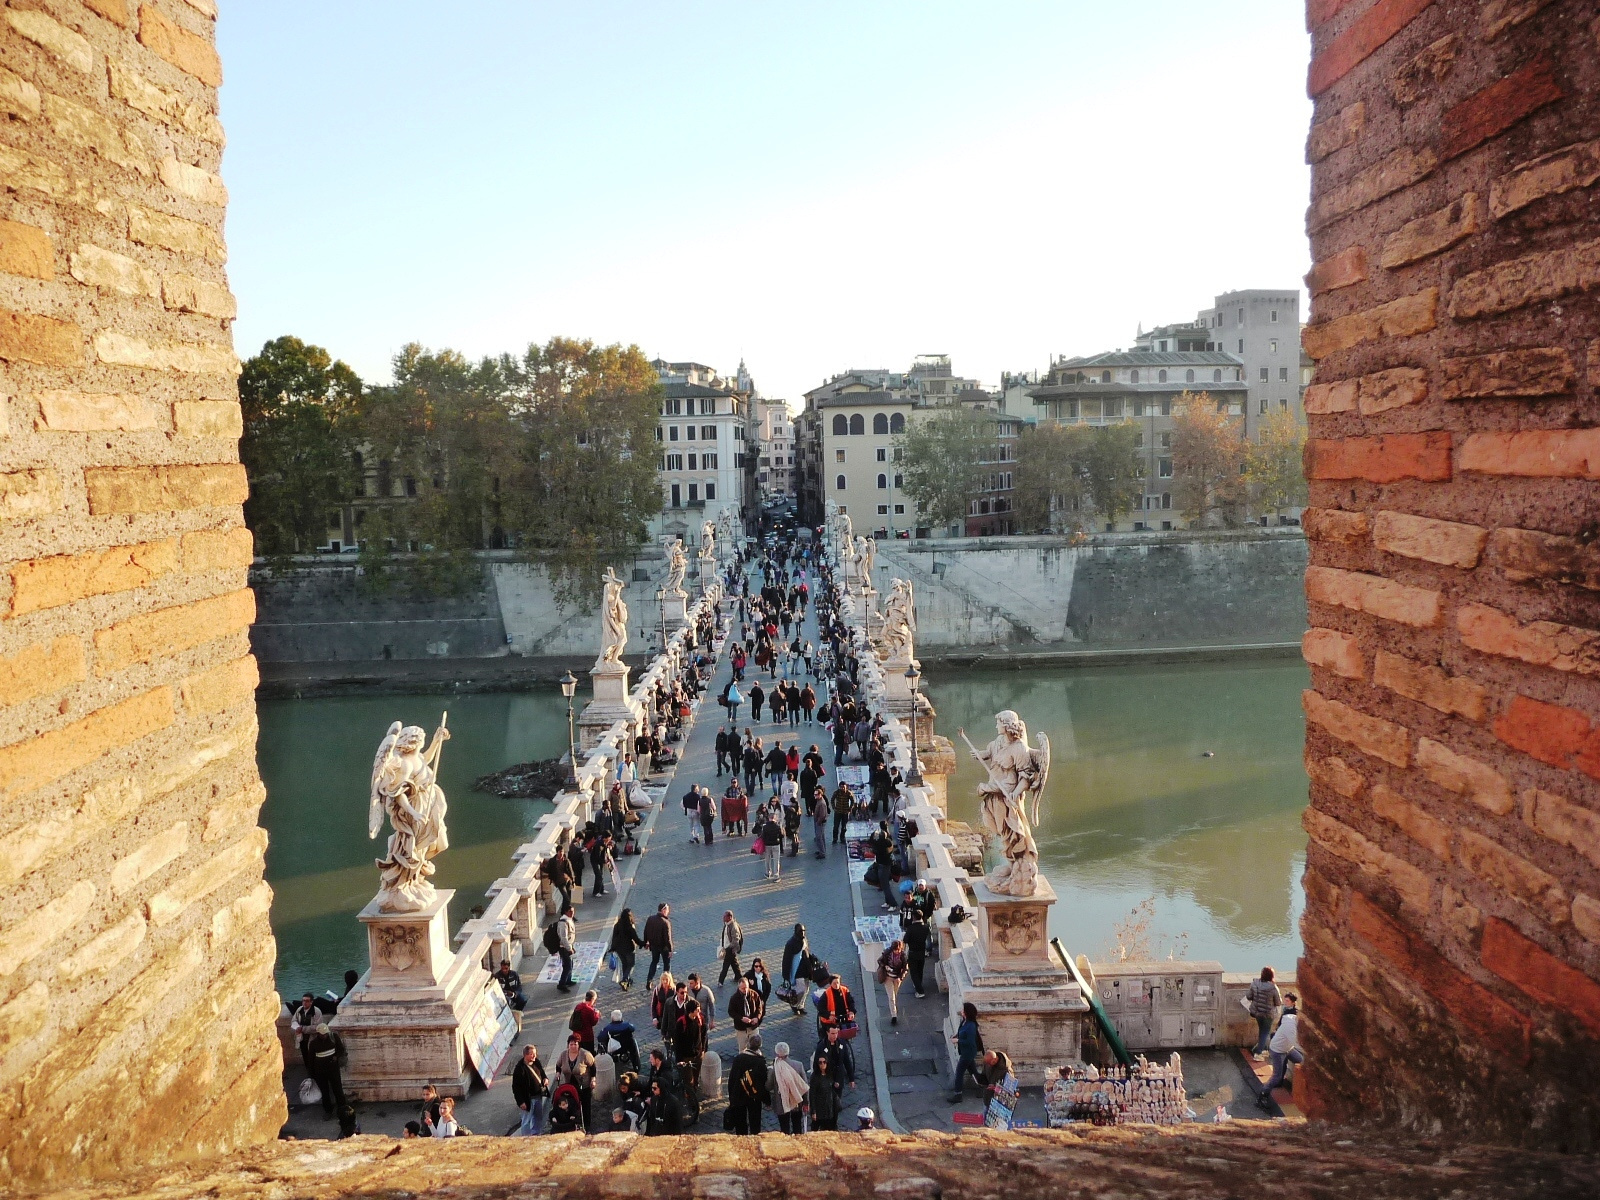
[1530, 279]
[1329, 1011]
[1423, 456]
[1335, 525]
[1338, 652]
[1431, 685]
[1542, 643]
[1545, 371]
[1364, 35]
[1551, 733]
[1537, 973]
[1405, 317]
[1345, 269]
[1432, 834]
[1554, 453]
[1563, 170]
[1375, 595]
[1369, 734]
[1499, 106]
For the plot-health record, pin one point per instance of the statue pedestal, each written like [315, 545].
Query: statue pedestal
[708, 574]
[611, 704]
[402, 1022]
[866, 606]
[675, 610]
[1031, 1007]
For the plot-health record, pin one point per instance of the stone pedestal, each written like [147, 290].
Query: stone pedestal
[402, 1022]
[675, 610]
[708, 574]
[611, 704]
[866, 606]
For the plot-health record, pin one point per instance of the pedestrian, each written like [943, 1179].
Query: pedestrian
[746, 1010]
[752, 764]
[530, 1087]
[789, 1091]
[663, 1115]
[1264, 1000]
[689, 1039]
[303, 1023]
[703, 996]
[601, 860]
[327, 1053]
[566, 943]
[843, 801]
[660, 999]
[575, 1068]
[730, 940]
[796, 957]
[819, 821]
[1284, 1047]
[658, 938]
[428, 1118]
[722, 749]
[511, 985]
[791, 819]
[893, 966]
[691, 811]
[585, 1019]
[969, 1044]
[772, 843]
[760, 980]
[824, 1093]
[757, 697]
[917, 937]
[735, 696]
[559, 872]
[836, 1012]
[625, 940]
[996, 1067]
[566, 1111]
[620, 1033]
[748, 1088]
[448, 1126]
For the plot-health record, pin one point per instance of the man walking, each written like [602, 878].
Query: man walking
[843, 800]
[747, 1086]
[731, 942]
[566, 943]
[658, 940]
[819, 820]
[327, 1055]
[746, 1010]
[722, 750]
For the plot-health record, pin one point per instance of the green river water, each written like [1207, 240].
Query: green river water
[1135, 812]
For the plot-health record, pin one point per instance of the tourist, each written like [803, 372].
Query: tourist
[625, 940]
[566, 943]
[760, 981]
[734, 697]
[1284, 1048]
[996, 1066]
[1263, 999]
[747, 1086]
[708, 813]
[600, 858]
[746, 1009]
[303, 1024]
[585, 1019]
[722, 749]
[791, 818]
[620, 1034]
[843, 801]
[559, 872]
[703, 996]
[658, 938]
[689, 1039]
[659, 999]
[576, 859]
[796, 956]
[752, 763]
[413, 1130]
[511, 984]
[429, 1116]
[893, 966]
[789, 1088]
[566, 1111]
[757, 697]
[819, 821]
[772, 847]
[662, 1114]
[779, 703]
[634, 1098]
[327, 1053]
[530, 1087]
[735, 809]
[730, 940]
[808, 697]
[840, 1063]
[836, 1017]
[448, 1126]
[969, 1044]
[691, 811]
[576, 1068]
[918, 938]
[776, 764]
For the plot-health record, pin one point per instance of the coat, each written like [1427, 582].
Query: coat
[624, 936]
[746, 1009]
[529, 1083]
[747, 1079]
[658, 933]
[731, 937]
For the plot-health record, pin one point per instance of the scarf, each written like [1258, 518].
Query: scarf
[792, 1086]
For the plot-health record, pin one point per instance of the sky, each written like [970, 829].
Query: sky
[810, 187]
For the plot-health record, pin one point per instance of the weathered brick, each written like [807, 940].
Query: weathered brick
[23, 1018]
[1448, 543]
[92, 412]
[1514, 876]
[1405, 317]
[1498, 107]
[166, 631]
[23, 171]
[1335, 525]
[1342, 270]
[1338, 131]
[78, 125]
[1423, 456]
[1412, 885]
[166, 232]
[1542, 643]
[64, 578]
[1497, 16]
[1586, 917]
[244, 855]
[112, 10]
[113, 272]
[43, 341]
[103, 952]
[1563, 822]
[166, 105]
[1359, 39]
[233, 812]
[184, 50]
[228, 922]
[1431, 686]
[36, 761]
[1545, 371]
[1324, 399]
[1537, 973]
[1563, 170]
[26, 250]
[41, 669]
[1558, 453]
[217, 549]
[1462, 917]
[1320, 12]
[221, 687]
[208, 419]
[184, 357]
[117, 490]
[1372, 735]
[1474, 1005]
[1477, 781]
[25, 939]
[38, 843]
[1395, 173]
[45, 31]
[18, 97]
[1516, 282]
[129, 871]
[185, 293]
[25, 494]
[1338, 652]
[193, 182]
[1375, 595]
[1336, 775]
[1371, 394]
[1437, 231]
[1433, 835]
[1423, 73]
[206, 8]
[1552, 733]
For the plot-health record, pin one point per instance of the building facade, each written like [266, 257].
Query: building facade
[703, 444]
[991, 512]
[776, 471]
[1261, 328]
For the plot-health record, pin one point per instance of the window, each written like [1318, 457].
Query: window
[694, 493]
[1263, 406]
[838, 456]
[1105, 376]
[1274, 319]
[883, 510]
[899, 481]
[1166, 441]
[1133, 375]
[1241, 316]
[840, 425]
[883, 454]
[1138, 408]
[1238, 374]
[674, 407]
[1272, 343]
[694, 464]
[1283, 374]
[711, 491]
[411, 486]
[708, 433]
[1216, 376]
[897, 423]
[658, 433]
[672, 433]
[858, 423]
[1241, 345]
[1164, 466]
[677, 501]
[883, 481]
[1166, 502]
[1263, 374]
[1161, 376]
[1188, 376]
[880, 423]
[709, 462]
[1113, 409]
[1138, 439]
[1166, 407]
[1282, 403]
[899, 510]
[708, 408]
[838, 483]
[674, 462]
[688, 433]
[844, 508]
[897, 454]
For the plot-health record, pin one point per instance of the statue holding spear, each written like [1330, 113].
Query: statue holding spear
[1017, 773]
[405, 788]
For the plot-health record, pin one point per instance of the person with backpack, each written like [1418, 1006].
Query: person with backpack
[748, 1091]
[733, 697]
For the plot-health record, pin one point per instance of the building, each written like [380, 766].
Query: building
[703, 436]
[1139, 385]
[989, 514]
[858, 460]
[776, 472]
[1262, 329]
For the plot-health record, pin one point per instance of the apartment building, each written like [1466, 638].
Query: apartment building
[703, 443]
[776, 471]
[1261, 328]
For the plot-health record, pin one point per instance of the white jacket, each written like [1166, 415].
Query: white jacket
[1287, 1037]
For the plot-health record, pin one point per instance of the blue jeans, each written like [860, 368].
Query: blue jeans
[1279, 1063]
[1264, 1028]
[533, 1120]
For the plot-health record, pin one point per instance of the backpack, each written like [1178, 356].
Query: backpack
[552, 940]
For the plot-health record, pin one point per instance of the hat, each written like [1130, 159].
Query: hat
[864, 1113]
[322, 1027]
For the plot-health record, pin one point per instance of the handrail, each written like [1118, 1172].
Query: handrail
[1101, 1017]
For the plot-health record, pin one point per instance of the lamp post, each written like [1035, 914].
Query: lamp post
[914, 677]
[569, 685]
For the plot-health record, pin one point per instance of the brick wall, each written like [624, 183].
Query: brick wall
[135, 957]
[1452, 930]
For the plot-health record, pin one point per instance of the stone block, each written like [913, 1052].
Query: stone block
[1553, 174]
[167, 105]
[133, 869]
[168, 631]
[1552, 733]
[41, 669]
[1438, 231]
[26, 494]
[1431, 834]
[1499, 106]
[46, 757]
[24, 171]
[186, 358]
[1514, 876]
[1359, 40]
[1497, 16]
[186, 293]
[1431, 685]
[1547, 371]
[172, 902]
[61, 43]
[192, 182]
[1335, 774]
[154, 489]
[188, 52]
[43, 341]
[112, 10]
[41, 583]
[1540, 975]
[1551, 453]
[25, 249]
[166, 232]
[1448, 543]
[25, 938]
[1337, 652]
[1338, 131]
[1405, 317]
[1375, 595]
[93, 412]
[112, 272]
[1385, 459]
[1563, 822]
[217, 549]
[1393, 174]
[87, 129]
[1335, 525]
[221, 687]
[1422, 74]
[1542, 643]
[1369, 734]
[1345, 269]
[1411, 884]
[1464, 776]
[1530, 279]
[18, 97]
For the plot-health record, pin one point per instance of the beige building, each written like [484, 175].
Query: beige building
[776, 473]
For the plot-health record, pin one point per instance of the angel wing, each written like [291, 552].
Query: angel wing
[911, 606]
[375, 813]
[1041, 761]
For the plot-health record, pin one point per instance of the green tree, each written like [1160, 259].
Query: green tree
[1208, 450]
[1273, 463]
[1049, 483]
[299, 443]
[1113, 473]
[942, 458]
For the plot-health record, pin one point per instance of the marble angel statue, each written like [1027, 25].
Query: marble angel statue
[613, 621]
[708, 539]
[847, 541]
[899, 623]
[405, 788]
[1017, 775]
[866, 555]
[677, 568]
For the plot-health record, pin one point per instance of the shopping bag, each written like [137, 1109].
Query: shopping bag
[758, 847]
[310, 1093]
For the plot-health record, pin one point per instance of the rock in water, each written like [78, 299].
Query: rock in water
[525, 781]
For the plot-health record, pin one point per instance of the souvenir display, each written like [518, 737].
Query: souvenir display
[1145, 1093]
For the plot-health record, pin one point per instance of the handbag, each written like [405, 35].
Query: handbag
[883, 973]
[758, 846]
[848, 1031]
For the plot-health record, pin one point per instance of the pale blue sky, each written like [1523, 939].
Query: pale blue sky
[812, 186]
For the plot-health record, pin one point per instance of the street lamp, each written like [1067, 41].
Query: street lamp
[569, 685]
[914, 677]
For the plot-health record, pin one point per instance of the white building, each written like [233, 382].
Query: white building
[1261, 328]
[703, 442]
[776, 475]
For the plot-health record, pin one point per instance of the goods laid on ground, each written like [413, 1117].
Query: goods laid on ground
[1144, 1093]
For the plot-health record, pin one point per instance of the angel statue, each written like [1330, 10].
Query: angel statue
[708, 540]
[846, 532]
[899, 623]
[613, 622]
[866, 555]
[405, 787]
[1016, 775]
[677, 567]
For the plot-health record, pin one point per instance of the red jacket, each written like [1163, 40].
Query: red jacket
[584, 1019]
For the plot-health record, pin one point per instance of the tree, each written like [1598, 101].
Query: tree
[1208, 450]
[1112, 471]
[1273, 465]
[1048, 480]
[299, 443]
[942, 459]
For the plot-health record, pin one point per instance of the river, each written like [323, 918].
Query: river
[1136, 813]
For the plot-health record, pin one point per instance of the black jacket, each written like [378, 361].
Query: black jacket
[658, 933]
[745, 1009]
[625, 936]
[528, 1084]
[759, 985]
[747, 1079]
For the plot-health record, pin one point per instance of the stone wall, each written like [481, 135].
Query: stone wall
[1452, 929]
[136, 996]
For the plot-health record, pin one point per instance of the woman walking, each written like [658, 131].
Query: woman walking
[625, 940]
[893, 967]
[791, 1091]
[969, 1044]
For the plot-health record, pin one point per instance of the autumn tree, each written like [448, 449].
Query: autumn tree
[1208, 454]
[1065, 472]
[943, 461]
[1273, 466]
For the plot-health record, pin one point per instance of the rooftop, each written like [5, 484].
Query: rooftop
[1151, 358]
